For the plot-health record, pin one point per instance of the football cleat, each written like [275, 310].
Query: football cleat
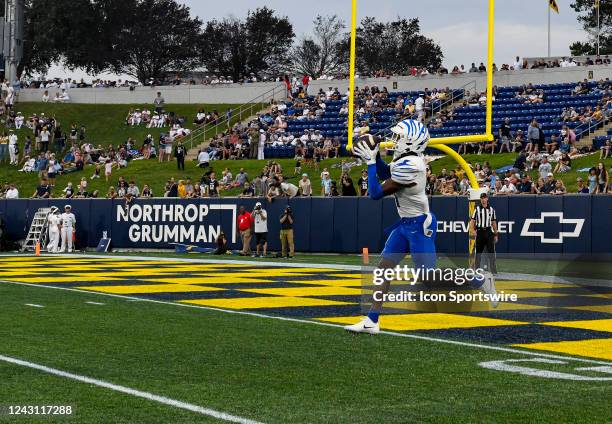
[364, 326]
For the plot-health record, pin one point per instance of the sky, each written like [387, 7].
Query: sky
[460, 27]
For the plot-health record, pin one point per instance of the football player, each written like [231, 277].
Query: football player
[415, 232]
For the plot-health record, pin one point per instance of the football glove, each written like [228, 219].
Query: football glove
[365, 152]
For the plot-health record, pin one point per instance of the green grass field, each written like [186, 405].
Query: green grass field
[258, 365]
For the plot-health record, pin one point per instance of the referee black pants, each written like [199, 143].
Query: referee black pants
[485, 239]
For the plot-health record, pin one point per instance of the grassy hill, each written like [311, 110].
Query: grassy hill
[105, 124]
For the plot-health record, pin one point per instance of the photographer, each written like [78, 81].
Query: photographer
[260, 217]
[286, 233]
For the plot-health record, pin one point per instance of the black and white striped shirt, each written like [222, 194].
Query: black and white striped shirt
[484, 217]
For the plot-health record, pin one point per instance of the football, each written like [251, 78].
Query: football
[369, 139]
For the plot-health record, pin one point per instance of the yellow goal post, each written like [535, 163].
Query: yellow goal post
[442, 142]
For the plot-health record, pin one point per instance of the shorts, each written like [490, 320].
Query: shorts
[416, 236]
[261, 237]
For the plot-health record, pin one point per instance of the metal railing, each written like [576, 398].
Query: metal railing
[587, 128]
[257, 104]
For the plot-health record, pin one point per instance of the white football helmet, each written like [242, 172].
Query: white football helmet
[409, 136]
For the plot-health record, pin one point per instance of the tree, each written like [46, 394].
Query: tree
[269, 40]
[393, 47]
[587, 16]
[322, 53]
[260, 45]
[161, 37]
[48, 38]
[142, 38]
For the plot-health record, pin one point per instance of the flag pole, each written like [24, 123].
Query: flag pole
[548, 7]
[598, 4]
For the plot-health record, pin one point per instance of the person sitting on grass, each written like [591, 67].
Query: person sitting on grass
[564, 164]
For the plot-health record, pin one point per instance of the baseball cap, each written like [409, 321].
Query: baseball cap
[304, 175]
[67, 207]
[550, 174]
[257, 204]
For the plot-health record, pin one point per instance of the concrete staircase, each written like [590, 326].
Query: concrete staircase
[588, 140]
[206, 136]
[200, 137]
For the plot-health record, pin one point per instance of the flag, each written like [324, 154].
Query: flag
[596, 4]
[553, 5]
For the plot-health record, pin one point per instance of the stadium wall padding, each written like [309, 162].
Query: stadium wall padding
[572, 224]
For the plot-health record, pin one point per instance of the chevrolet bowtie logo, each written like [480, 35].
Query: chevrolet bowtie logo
[527, 232]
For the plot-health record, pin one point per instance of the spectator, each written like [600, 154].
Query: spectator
[550, 183]
[179, 154]
[362, 183]
[325, 183]
[581, 187]
[564, 164]
[111, 193]
[222, 244]
[525, 186]
[241, 178]
[545, 168]
[159, 103]
[559, 188]
[551, 146]
[12, 192]
[260, 218]
[602, 179]
[203, 159]
[146, 191]
[288, 189]
[43, 190]
[68, 191]
[507, 188]
[133, 189]
[245, 221]
[592, 180]
[505, 135]
[286, 233]
[13, 147]
[348, 189]
[305, 186]
[533, 136]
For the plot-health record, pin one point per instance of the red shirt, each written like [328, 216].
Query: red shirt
[244, 221]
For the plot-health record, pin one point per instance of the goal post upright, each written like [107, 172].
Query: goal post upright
[352, 66]
[442, 142]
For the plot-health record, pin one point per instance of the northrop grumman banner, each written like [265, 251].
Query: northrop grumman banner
[527, 224]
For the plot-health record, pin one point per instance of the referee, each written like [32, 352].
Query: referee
[484, 224]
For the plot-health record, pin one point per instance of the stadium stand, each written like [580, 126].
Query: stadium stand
[470, 119]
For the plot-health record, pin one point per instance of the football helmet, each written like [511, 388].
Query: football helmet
[409, 136]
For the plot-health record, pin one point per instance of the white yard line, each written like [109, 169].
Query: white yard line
[34, 305]
[320, 323]
[132, 392]
[95, 303]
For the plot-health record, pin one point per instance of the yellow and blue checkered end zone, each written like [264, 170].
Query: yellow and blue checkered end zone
[563, 318]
